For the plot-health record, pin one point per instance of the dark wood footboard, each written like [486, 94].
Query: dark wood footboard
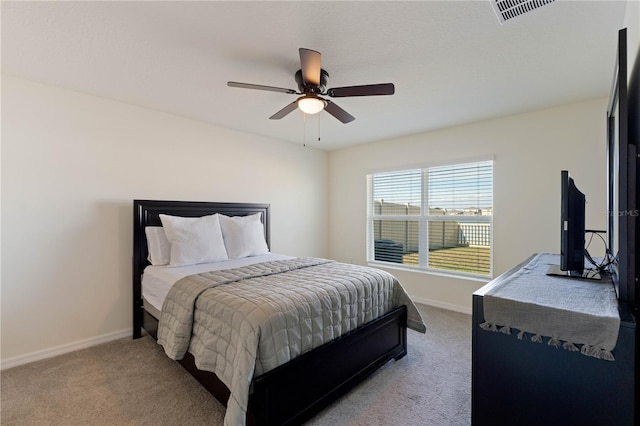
[294, 392]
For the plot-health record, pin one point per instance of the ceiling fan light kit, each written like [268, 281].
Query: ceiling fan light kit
[310, 104]
[311, 81]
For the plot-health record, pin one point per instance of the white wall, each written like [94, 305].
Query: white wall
[632, 24]
[71, 166]
[529, 151]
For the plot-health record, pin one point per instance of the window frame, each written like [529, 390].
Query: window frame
[423, 221]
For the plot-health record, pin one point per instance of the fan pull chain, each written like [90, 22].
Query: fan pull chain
[318, 127]
[304, 129]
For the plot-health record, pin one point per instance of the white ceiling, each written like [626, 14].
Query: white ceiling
[452, 62]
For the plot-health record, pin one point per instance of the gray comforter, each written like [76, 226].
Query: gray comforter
[240, 323]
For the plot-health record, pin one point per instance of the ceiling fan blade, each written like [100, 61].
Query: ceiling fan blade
[260, 87]
[284, 111]
[310, 65]
[338, 112]
[365, 90]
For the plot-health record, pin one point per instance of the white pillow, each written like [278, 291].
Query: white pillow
[158, 246]
[194, 240]
[243, 235]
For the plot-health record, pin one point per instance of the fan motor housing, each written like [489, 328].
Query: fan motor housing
[308, 88]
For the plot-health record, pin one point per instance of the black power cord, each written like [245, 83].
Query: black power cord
[608, 259]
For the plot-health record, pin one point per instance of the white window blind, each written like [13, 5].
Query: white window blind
[435, 218]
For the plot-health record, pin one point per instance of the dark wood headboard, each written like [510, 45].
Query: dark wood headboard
[146, 213]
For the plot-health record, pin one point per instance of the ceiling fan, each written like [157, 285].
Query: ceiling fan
[312, 80]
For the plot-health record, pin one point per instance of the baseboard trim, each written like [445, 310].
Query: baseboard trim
[443, 305]
[63, 349]
[93, 341]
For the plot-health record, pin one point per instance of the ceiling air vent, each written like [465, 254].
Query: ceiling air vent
[509, 9]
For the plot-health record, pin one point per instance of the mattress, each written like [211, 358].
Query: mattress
[158, 280]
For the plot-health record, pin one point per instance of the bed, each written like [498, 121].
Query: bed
[293, 391]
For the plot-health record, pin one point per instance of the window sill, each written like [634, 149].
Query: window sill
[440, 273]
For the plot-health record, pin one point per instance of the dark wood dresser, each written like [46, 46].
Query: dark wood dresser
[525, 383]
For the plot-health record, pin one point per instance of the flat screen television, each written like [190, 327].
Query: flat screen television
[572, 212]
[572, 233]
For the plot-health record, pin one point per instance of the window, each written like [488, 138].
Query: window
[435, 219]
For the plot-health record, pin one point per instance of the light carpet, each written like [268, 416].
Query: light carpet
[132, 382]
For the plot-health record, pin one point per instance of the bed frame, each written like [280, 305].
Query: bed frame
[297, 390]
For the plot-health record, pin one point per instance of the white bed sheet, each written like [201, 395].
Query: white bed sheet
[157, 280]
